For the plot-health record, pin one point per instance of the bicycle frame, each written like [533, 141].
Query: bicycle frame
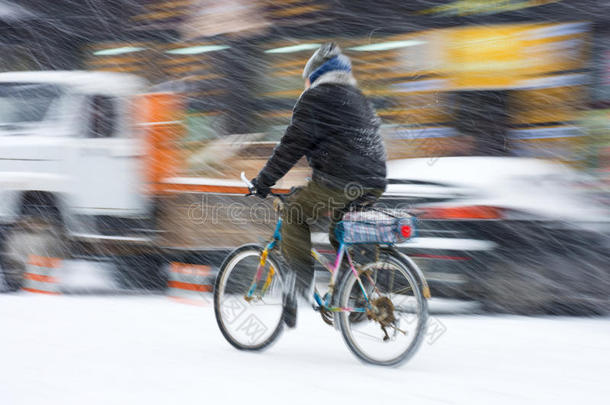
[332, 268]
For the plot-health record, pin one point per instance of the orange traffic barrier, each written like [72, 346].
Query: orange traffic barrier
[40, 276]
[189, 283]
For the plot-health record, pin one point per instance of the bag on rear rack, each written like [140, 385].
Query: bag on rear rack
[376, 226]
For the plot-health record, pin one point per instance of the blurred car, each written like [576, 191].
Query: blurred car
[520, 235]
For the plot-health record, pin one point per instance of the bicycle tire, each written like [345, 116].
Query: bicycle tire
[227, 266]
[420, 331]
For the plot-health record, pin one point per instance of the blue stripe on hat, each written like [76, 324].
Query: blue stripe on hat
[339, 62]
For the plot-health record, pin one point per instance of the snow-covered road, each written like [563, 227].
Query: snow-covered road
[151, 350]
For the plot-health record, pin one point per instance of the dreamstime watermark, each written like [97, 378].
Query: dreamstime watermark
[249, 328]
[215, 210]
[433, 330]
[353, 191]
[244, 324]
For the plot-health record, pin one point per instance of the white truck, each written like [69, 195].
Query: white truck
[86, 166]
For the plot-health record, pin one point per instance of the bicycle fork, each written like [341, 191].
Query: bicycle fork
[258, 275]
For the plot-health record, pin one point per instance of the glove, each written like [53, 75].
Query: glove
[261, 191]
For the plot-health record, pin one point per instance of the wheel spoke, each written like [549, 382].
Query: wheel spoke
[397, 313]
[404, 289]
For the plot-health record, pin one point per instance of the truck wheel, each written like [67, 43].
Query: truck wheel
[30, 236]
[141, 272]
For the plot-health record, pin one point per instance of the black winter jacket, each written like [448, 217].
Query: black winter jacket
[336, 128]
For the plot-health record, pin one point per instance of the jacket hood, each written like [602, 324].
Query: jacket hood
[335, 77]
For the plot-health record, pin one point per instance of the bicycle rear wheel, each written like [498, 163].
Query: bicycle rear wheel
[390, 332]
[253, 323]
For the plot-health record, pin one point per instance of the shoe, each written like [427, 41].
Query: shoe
[289, 301]
[289, 314]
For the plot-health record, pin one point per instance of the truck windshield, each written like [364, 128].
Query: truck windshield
[24, 103]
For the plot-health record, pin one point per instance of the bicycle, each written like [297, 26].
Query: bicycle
[380, 305]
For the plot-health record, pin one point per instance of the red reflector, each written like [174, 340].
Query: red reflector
[466, 212]
[406, 231]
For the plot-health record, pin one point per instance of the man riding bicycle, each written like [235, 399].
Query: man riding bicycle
[337, 129]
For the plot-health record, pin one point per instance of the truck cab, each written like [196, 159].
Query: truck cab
[71, 157]
[69, 138]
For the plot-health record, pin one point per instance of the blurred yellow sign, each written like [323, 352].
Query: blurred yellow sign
[485, 57]
[504, 56]
[469, 7]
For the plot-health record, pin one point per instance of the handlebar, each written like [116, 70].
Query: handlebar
[248, 182]
[252, 189]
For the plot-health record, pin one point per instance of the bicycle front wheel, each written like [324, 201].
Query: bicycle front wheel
[389, 330]
[249, 318]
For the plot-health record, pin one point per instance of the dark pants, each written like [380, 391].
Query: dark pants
[305, 207]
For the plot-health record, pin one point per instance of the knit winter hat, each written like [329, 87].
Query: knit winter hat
[324, 54]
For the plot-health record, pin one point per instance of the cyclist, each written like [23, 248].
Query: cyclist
[337, 129]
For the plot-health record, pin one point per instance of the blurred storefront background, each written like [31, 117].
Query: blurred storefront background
[448, 77]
